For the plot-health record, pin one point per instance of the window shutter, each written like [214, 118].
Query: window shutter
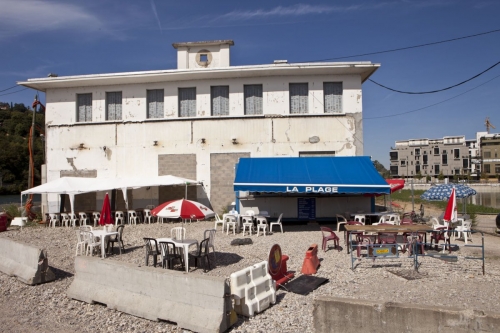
[253, 99]
[84, 107]
[114, 105]
[187, 102]
[155, 103]
[299, 94]
[220, 100]
[333, 97]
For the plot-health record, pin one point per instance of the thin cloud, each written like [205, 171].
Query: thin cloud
[153, 6]
[280, 11]
[31, 16]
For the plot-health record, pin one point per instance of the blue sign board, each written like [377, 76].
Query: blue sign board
[306, 208]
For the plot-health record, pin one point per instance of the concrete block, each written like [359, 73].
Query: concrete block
[332, 314]
[28, 263]
[195, 302]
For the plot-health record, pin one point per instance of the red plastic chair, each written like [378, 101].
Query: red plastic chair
[441, 233]
[329, 235]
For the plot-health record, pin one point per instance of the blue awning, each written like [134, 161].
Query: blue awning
[321, 175]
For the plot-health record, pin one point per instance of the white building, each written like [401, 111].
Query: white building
[196, 121]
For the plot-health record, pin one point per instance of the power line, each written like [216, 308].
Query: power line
[410, 47]
[14, 92]
[428, 106]
[9, 88]
[434, 91]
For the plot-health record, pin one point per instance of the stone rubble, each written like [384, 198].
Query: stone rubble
[46, 308]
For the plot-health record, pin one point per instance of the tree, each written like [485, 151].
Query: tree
[440, 176]
[419, 175]
[381, 169]
[14, 155]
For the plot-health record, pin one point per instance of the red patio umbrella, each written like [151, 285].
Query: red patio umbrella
[450, 214]
[185, 209]
[106, 217]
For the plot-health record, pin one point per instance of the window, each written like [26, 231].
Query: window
[436, 150]
[417, 169]
[253, 99]
[457, 171]
[487, 154]
[220, 100]
[417, 152]
[444, 151]
[487, 168]
[465, 163]
[187, 102]
[114, 105]
[497, 168]
[394, 169]
[394, 155]
[424, 159]
[155, 103]
[444, 159]
[316, 153]
[203, 57]
[403, 162]
[436, 169]
[332, 97]
[84, 107]
[456, 153]
[299, 94]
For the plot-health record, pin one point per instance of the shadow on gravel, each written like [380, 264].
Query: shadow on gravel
[60, 274]
[226, 258]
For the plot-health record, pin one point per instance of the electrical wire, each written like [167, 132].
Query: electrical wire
[410, 47]
[434, 91]
[9, 88]
[14, 92]
[428, 106]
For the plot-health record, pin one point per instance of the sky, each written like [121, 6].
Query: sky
[70, 37]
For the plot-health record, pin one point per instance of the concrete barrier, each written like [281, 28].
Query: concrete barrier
[196, 302]
[28, 263]
[331, 314]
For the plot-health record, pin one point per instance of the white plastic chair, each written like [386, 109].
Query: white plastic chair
[340, 221]
[80, 245]
[147, 216]
[132, 217]
[91, 241]
[359, 218]
[73, 219]
[178, 233]
[54, 219]
[230, 221]
[276, 223]
[96, 216]
[150, 207]
[119, 217]
[435, 223]
[210, 234]
[218, 221]
[82, 216]
[247, 224]
[464, 230]
[261, 225]
[65, 220]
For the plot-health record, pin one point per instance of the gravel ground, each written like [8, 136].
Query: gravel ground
[46, 308]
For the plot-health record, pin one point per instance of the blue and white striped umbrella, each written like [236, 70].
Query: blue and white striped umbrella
[443, 192]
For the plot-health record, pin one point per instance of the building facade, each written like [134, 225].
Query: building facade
[418, 158]
[196, 121]
[490, 155]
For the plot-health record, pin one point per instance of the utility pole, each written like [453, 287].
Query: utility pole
[31, 144]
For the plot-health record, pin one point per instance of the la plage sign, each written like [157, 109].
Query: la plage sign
[312, 189]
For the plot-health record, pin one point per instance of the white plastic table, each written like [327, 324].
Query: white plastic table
[103, 234]
[184, 244]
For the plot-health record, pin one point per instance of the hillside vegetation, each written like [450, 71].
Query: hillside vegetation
[15, 123]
